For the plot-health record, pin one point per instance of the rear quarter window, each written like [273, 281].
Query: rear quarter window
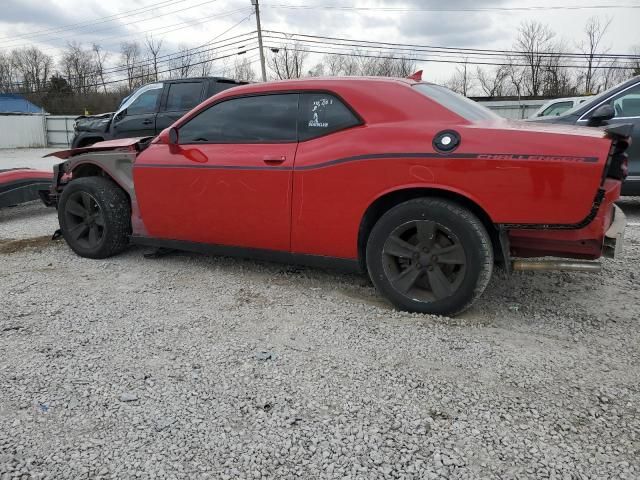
[322, 114]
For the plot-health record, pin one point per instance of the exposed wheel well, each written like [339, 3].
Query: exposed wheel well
[390, 200]
[92, 170]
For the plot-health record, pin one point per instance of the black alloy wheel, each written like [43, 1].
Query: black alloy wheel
[95, 217]
[424, 260]
[84, 220]
[430, 255]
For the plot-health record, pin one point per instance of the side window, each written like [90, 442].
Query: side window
[183, 96]
[323, 113]
[258, 119]
[628, 104]
[556, 109]
[145, 103]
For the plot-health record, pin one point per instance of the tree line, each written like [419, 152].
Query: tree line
[537, 65]
[542, 69]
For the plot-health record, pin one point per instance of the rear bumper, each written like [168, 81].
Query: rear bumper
[587, 242]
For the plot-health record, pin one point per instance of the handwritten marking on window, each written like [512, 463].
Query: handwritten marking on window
[318, 108]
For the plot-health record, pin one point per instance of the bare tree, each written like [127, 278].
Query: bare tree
[515, 75]
[492, 82]
[153, 51]
[595, 29]
[243, 70]
[33, 68]
[77, 65]
[363, 63]
[8, 74]
[287, 61]
[635, 67]
[317, 70]
[533, 43]
[205, 60]
[130, 54]
[181, 65]
[614, 73]
[99, 60]
[557, 80]
[462, 80]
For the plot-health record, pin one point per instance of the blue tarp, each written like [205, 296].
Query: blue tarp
[14, 103]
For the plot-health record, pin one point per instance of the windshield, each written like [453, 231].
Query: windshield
[593, 100]
[458, 104]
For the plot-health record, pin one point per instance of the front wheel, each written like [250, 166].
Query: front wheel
[95, 217]
[430, 256]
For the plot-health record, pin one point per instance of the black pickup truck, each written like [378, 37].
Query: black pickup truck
[148, 110]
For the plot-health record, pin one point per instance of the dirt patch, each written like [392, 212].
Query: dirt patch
[8, 246]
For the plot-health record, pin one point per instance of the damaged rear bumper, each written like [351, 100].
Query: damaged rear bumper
[589, 242]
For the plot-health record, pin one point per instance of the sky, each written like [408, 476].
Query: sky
[51, 24]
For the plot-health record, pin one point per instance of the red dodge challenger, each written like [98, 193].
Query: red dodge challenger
[408, 181]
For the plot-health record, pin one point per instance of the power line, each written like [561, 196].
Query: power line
[466, 51]
[391, 57]
[73, 34]
[166, 58]
[410, 54]
[449, 9]
[248, 45]
[144, 76]
[142, 34]
[98, 20]
[432, 53]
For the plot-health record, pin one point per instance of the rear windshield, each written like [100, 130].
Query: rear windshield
[467, 109]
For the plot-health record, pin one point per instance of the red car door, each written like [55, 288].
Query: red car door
[229, 179]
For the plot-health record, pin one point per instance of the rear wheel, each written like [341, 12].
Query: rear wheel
[430, 256]
[95, 217]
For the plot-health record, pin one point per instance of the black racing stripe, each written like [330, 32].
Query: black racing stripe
[385, 156]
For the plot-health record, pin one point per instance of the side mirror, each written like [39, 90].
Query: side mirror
[173, 136]
[601, 115]
[119, 115]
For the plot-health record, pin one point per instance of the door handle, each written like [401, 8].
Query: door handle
[147, 122]
[274, 159]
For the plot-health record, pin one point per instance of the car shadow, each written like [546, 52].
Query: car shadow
[27, 210]
[630, 206]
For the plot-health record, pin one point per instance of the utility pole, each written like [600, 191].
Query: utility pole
[264, 70]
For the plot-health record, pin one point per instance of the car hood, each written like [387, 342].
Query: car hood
[93, 123]
[125, 144]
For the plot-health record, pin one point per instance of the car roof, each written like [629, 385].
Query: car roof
[306, 83]
[313, 82]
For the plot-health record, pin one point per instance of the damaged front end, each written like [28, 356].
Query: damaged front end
[93, 123]
[113, 159]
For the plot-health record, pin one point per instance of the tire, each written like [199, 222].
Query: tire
[430, 255]
[95, 217]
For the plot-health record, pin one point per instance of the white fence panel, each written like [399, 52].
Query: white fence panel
[22, 131]
[60, 130]
[512, 108]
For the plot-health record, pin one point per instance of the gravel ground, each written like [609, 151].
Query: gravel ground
[204, 367]
[28, 158]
